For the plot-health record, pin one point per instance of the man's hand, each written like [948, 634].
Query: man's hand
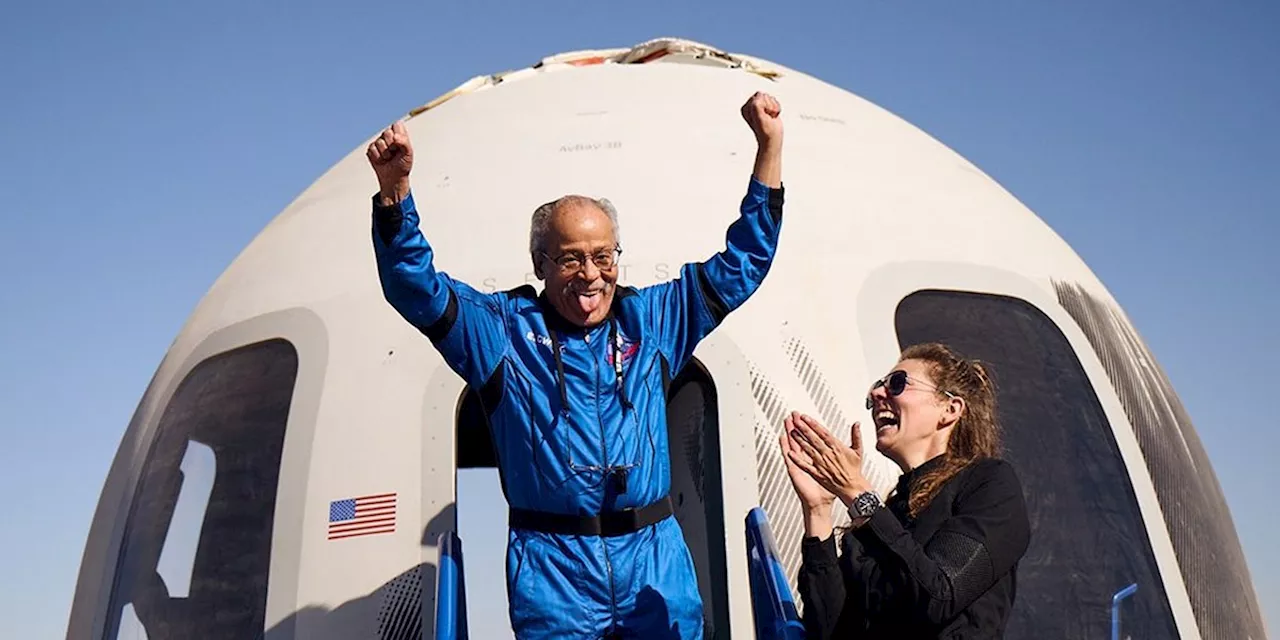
[391, 156]
[764, 115]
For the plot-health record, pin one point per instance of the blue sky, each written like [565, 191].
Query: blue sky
[153, 142]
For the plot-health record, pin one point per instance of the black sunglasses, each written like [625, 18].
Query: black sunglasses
[895, 383]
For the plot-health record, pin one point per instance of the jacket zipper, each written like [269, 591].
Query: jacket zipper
[604, 451]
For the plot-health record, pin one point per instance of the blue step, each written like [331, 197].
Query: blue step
[776, 617]
[451, 591]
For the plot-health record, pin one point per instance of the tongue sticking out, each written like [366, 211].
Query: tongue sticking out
[588, 303]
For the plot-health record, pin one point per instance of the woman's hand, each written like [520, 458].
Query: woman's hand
[812, 495]
[833, 465]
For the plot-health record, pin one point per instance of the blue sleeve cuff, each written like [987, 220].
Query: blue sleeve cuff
[759, 193]
[389, 220]
[403, 207]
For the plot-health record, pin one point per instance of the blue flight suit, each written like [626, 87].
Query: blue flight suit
[578, 421]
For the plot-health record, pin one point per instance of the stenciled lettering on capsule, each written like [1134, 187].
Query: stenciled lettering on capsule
[590, 146]
[820, 118]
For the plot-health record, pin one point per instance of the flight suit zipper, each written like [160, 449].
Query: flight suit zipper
[607, 473]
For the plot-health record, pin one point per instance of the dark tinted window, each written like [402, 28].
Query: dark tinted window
[197, 547]
[1200, 525]
[1088, 540]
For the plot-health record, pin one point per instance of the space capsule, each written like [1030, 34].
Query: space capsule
[290, 471]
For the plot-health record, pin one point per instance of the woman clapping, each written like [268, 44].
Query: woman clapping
[939, 558]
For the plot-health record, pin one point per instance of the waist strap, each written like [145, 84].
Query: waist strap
[613, 523]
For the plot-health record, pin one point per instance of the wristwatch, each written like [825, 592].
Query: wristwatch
[865, 504]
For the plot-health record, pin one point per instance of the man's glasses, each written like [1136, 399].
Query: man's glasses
[895, 383]
[572, 262]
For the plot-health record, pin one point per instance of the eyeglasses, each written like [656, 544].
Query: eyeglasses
[572, 262]
[896, 382]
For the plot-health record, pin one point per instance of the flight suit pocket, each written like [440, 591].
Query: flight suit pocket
[547, 589]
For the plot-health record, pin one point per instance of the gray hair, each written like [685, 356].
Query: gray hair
[541, 222]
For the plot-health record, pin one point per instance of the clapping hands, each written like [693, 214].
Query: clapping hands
[821, 467]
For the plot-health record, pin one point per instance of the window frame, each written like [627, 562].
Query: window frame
[176, 429]
[1047, 432]
[884, 286]
[309, 336]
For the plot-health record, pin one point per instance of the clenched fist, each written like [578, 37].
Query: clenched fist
[391, 155]
[763, 113]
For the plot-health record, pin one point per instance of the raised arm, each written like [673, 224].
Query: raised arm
[820, 582]
[465, 325]
[834, 602]
[689, 307]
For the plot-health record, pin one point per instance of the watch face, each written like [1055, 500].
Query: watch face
[865, 504]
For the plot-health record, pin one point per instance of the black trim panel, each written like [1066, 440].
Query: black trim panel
[491, 392]
[775, 204]
[437, 330]
[716, 306]
[387, 220]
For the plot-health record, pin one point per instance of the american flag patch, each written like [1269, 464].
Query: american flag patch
[363, 516]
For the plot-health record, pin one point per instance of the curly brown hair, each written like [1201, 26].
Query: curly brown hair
[976, 435]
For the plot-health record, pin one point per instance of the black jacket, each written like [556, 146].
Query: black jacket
[951, 573]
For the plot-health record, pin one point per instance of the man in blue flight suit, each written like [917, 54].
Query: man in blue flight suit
[574, 380]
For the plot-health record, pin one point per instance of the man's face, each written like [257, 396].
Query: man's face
[580, 239]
